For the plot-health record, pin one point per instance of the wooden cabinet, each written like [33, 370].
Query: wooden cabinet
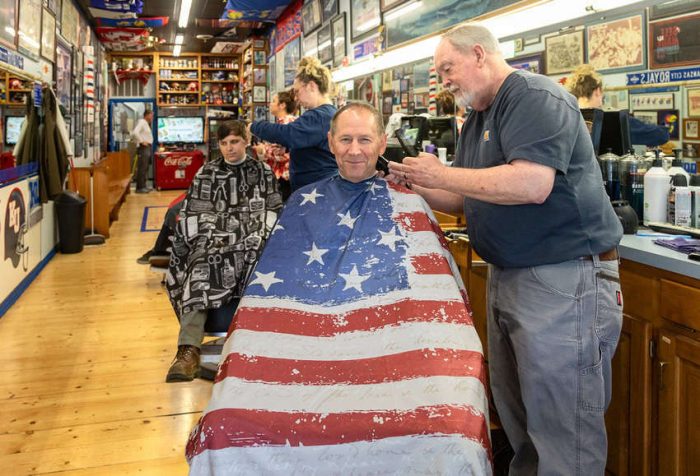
[653, 421]
[628, 419]
[679, 411]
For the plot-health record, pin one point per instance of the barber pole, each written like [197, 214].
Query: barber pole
[432, 90]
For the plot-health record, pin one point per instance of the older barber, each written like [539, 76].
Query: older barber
[527, 180]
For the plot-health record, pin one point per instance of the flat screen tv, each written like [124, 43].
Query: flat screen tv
[179, 130]
[13, 125]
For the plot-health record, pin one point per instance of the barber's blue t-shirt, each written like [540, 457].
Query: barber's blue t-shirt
[533, 118]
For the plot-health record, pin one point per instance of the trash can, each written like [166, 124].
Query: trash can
[70, 213]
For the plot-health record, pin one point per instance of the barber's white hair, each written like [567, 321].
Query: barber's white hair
[464, 37]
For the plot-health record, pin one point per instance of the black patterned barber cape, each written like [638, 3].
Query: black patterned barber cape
[224, 222]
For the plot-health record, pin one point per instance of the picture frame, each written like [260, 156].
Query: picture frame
[259, 94]
[387, 5]
[617, 45]
[310, 45]
[290, 60]
[681, 50]
[260, 113]
[669, 118]
[691, 150]
[63, 71]
[29, 36]
[532, 63]
[310, 16]
[329, 9]
[647, 117]
[259, 57]
[649, 101]
[693, 102]
[616, 100]
[365, 18]
[691, 128]
[325, 47]
[259, 75]
[53, 6]
[48, 35]
[8, 23]
[671, 9]
[69, 22]
[564, 52]
[338, 36]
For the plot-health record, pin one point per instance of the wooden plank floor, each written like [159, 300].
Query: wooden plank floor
[87, 347]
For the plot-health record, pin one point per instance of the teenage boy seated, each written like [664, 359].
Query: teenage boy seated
[224, 222]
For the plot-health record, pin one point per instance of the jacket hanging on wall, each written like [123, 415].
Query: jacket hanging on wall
[53, 165]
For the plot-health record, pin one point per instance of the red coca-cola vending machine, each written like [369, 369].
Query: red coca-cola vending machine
[175, 170]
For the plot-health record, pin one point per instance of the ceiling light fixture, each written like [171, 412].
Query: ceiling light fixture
[184, 17]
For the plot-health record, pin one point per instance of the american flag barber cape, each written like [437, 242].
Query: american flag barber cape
[352, 351]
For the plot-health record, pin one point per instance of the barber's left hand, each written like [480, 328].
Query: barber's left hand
[426, 170]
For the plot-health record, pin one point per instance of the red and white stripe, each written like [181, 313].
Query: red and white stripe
[384, 384]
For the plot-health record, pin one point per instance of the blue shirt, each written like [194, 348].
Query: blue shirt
[310, 158]
[533, 118]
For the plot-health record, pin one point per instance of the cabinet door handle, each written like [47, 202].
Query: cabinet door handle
[662, 365]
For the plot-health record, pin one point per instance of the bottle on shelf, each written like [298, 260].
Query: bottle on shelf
[657, 184]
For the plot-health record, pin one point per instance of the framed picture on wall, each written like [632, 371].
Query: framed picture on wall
[63, 69]
[53, 6]
[8, 22]
[691, 128]
[564, 52]
[387, 5]
[310, 44]
[329, 9]
[365, 18]
[647, 101]
[338, 37]
[310, 16]
[325, 48]
[259, 94]
[69, 22]
[647, 117]
[532, 63]
[29, 38]
[671, 9]
[691, 150]
[669, 119]
[693, 97]
[674, 42]
[48, 35]
[617, 45]
[290, 60]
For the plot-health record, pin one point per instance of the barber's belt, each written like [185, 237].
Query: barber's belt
[610, 255]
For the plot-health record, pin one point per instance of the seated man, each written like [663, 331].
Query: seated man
[353, 349]
[225, 218]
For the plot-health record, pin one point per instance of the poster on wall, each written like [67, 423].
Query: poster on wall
[693, 102]
[564, 52]
[15, 227]
[433, 16]
[365, 18]
[532, 63]
[48, 35]
[329, 9]
[325, 49]
[63, 74]
[8, 26]
[691, 150]
[691, 129]
[310, 44]
[291, 60]
[310, 16]
[647, 117]
[339, 43]
[649, 101]
[669, 120]
[674, 42]
[69, 22]
[29, 38]
[617, 45]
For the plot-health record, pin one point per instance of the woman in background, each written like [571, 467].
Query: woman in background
[307, 137]
[283, 107]
[587, 85]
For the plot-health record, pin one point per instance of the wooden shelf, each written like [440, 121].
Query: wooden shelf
[178, 92]
[167, 104]
[219, 81]
[20, 90]
[179, 68]
[220, 69]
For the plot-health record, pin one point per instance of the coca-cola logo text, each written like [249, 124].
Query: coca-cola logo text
[181, 162]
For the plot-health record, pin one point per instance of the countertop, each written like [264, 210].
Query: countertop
[643, 250]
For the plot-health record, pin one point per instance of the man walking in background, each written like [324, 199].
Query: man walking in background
[143, 136]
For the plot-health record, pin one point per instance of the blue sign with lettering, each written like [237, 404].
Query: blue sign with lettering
[663, 76]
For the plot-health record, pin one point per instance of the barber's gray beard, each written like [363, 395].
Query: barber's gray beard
[463, 99]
